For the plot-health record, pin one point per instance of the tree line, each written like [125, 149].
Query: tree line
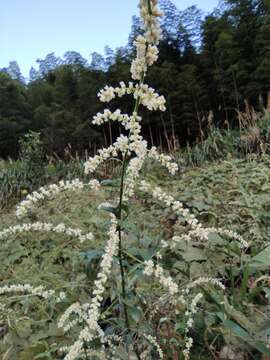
[209, 68]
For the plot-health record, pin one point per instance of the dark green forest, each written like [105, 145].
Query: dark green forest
[210, 68]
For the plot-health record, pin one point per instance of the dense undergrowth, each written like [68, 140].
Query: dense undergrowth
[224, 181]
[32, 170]
[233, 193]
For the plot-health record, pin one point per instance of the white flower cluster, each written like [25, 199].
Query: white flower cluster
[39, 291]
[109, 93]
[231, 235]
[139, 147]
[190, 321]
[165, 160]
[137, 144]
[93, 163]
[150, 14]
[158, 194]
[153, 341]
[127, 146]
[149, 268]
[166, 281]
[45, 227]
[92, 315]
[205, 280]
[80, 310]
[197, 229]
[107, 115]
[49, 192]
[203, 234]
[147, 55]
[101, 354]
[133, 171]
[123, 144]
[188, 345]
[148, 97]
[139, 65]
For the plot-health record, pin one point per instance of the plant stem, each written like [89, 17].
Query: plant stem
[120, 251]
[119, 217]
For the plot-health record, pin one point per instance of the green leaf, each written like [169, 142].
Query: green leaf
[193, 254]
[200, 205]
[90, 258]
[39, 335]
[239, 317]
[109, 209]
[24, 328]
[146, 241]
[145, 254]
[33, 351]
[241, 333]
[111, 183]
[91, 255]
[136, 313]
[215, 239]
[260, 261]
[180, 327]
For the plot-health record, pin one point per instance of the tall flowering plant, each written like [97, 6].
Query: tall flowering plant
[103, 329]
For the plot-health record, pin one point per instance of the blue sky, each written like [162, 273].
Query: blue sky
[30, 29]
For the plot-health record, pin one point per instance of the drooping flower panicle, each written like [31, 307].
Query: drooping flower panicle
[28, 289]
[197, 230]
[92, 313]
[49, 192]
[45, 227]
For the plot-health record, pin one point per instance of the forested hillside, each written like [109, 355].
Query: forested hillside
[209, 69]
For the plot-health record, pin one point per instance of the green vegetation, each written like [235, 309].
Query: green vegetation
[19, 177]
[133, 264]
[233, 194]
[224, 184]
[32, 170]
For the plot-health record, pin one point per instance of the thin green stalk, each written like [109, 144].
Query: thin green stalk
[120, 250]
[119, 217]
